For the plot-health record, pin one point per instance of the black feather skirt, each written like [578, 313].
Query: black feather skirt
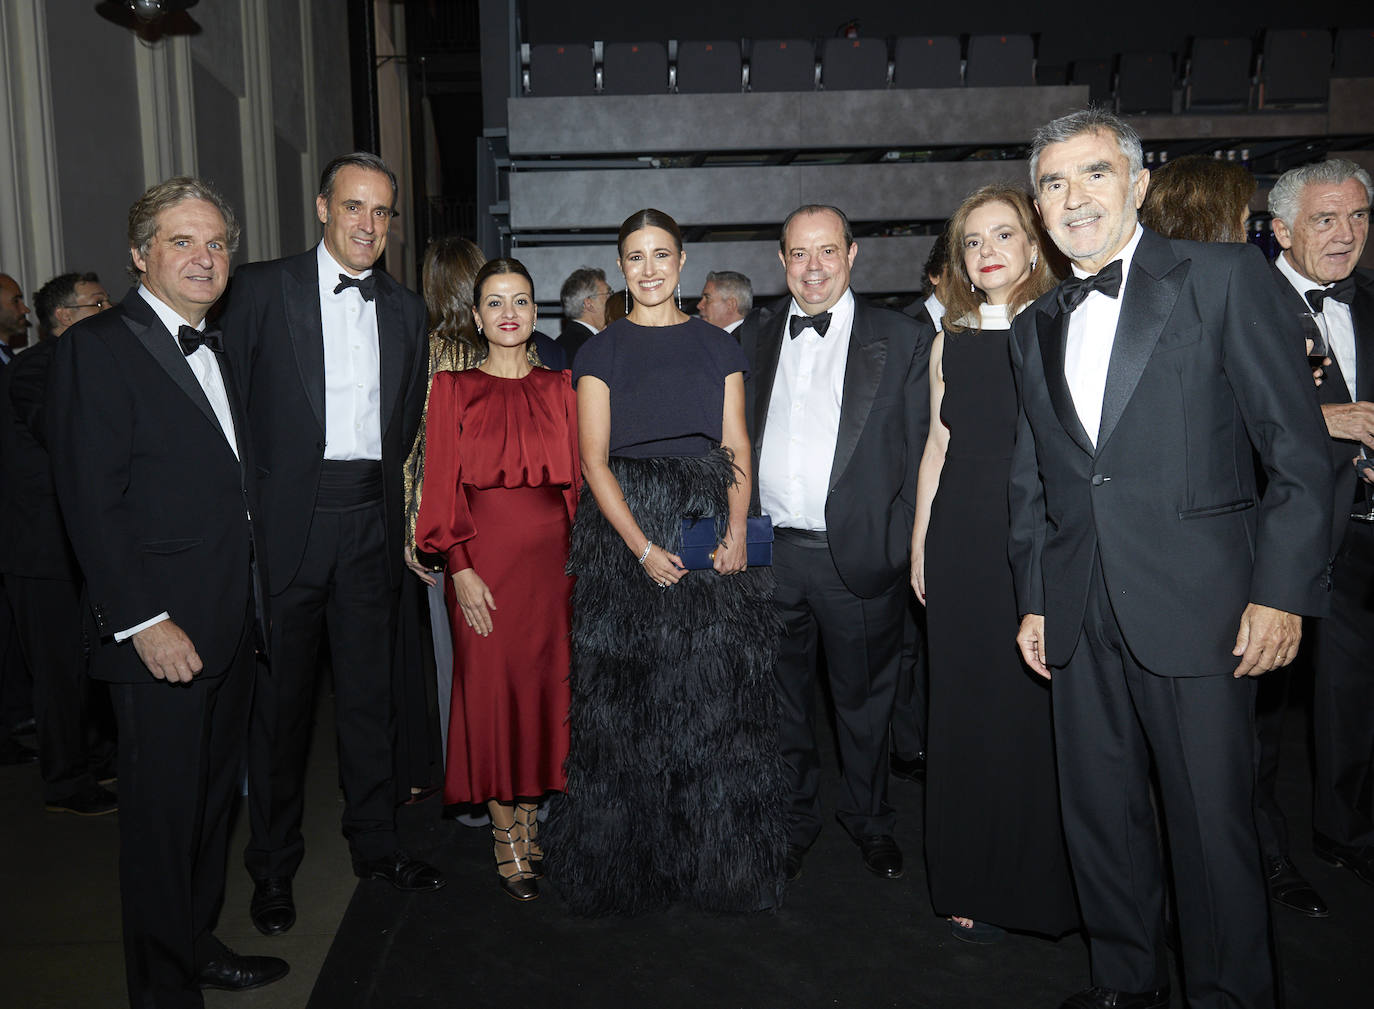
[676, 787]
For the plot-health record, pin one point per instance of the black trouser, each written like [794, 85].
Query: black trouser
[1110, 717]
[909, 709]
[341, 588]
[1343, 695]
[180, 757]
[70, 709]
[862, 639]
[16, 686]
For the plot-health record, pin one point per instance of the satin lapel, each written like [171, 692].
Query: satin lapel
[766, 352]
[164, 350]
[1155, 280]
[1051, 328]
[231, 387]
[863, 370]
[301, 298]
[1333, 388]
[1362, 316]
[391, 349]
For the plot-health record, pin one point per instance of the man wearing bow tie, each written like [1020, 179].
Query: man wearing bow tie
[837, 403]
[1321, 218]
[156, 482]
[333, 358]
[1153, 579]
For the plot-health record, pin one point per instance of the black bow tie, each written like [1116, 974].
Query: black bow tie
[192, 340]
[820, 323]
[1341, 290]
[1075, 289]
[367, 286]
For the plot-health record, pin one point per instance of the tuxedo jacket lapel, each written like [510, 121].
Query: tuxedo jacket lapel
[391, 349]
[301, 298]
[766, 364]
[1362, 316]
[1156, 278]
[862, 372]
[1051, 328]
[164, 350]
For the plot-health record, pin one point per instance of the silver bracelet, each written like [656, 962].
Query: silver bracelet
[647, 547]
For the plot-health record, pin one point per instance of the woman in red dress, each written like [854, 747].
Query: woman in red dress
[500, 489]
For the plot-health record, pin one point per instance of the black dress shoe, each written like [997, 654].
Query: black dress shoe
[792, 862]
[232, 972]
[13, 752]
[1287, 887]
[92, 801]
[24, 727]
[1108, 998]
[401, 871]
[272, 909]
[881, 855]
[1360, 861]
[908, 770]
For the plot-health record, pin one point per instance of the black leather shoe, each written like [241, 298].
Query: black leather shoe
[1108, 998]
[401, 871]
[13, 752]
[881, 855]
[792, 862]
[1360, 861]
[24, 727]
[908, 770]
[240, 973]
[92, 801]
[1287, 887]
[272, 909]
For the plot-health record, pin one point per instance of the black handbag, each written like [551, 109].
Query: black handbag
[700, 539]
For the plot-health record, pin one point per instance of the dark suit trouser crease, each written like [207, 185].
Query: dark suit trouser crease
[909, 708]
[1343, 695]
[66, 703]
[341, 588]
[862, 639]
[180, 757]
[1110, 717]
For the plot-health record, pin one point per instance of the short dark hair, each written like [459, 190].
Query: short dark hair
[580, 285]
[1198, 198]
[55, 294]
[733, 284]
[647, 218]
[165, 195]
[358, 159]
[816, 208]
[936, 261]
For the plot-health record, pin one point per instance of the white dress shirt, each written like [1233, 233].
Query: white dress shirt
[734, 325]
[1340, 325]
[1088, 348]
[936, 310]
[352, 367]
[804, 420]
[205, 367]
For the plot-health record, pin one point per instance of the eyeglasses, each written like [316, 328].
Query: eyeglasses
[100, 304]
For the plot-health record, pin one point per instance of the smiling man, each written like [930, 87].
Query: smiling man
[837, 404]
[1321, 218]
[332, 354]
[1153, 578]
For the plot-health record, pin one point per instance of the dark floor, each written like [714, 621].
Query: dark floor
[844, 938]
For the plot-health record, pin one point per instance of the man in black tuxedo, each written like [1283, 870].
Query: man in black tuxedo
[1321, 218]
[332, 354]
[42, 579]
[837, 404]
[154, 473]
[16, 688]
[583, 299]
[1151, 576]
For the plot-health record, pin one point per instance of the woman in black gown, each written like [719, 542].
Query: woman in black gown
[674, 779]
[995, 851]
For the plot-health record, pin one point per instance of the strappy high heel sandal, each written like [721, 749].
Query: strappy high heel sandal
[527, 819]
[520, 882]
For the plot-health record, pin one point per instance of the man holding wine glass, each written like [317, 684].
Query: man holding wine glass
[1321, 219]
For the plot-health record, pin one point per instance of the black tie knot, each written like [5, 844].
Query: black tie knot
[820, 323]
[1106, 280]
[192, 340]
[367, 286]
[1341, 290]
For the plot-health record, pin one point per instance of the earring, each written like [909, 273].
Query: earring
[679, 297]
[627, 301]
[971, 288]
[1034, 259]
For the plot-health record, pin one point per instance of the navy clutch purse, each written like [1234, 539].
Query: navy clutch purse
[699, 540]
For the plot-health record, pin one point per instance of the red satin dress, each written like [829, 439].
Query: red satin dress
[501, 481]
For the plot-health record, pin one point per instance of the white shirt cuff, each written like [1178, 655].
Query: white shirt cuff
[124, 635]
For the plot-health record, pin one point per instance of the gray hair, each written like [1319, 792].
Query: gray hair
[358, 159]
[732, 284]
[143, 214]
[580, 285]
[1093, 119]
[1286, 195]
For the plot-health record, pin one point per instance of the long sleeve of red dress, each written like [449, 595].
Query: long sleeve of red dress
[444, 521]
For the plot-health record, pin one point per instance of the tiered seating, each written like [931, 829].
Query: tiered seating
[1000, 61]
[854, 64]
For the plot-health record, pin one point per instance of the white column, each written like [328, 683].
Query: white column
[166, 107]
[261, 234]
[312, 162]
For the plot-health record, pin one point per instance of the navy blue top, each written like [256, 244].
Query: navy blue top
[667, 384]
